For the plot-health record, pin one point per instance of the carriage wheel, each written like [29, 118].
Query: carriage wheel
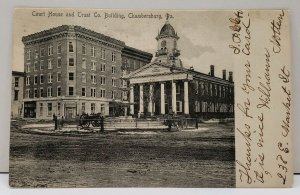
[85, 124]
[96, 123]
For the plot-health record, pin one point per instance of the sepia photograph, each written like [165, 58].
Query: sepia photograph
[132, 98]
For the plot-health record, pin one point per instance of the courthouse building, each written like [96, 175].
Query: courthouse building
[164, 86]
[71, 70]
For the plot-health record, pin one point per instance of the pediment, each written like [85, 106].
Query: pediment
[153, 69]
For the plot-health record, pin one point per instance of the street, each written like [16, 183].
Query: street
[201, 157]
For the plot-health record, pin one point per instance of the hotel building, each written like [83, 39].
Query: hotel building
[70, 70]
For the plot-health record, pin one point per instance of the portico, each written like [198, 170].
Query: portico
[159, 90]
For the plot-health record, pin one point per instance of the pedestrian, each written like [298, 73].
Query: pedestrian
[62, 121]
[55, 121]
[101, 123]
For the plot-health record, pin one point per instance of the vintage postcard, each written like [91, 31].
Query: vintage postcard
[151, 98]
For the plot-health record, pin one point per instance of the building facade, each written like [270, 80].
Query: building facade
[17, 94]
[71, 70]
[164, 86]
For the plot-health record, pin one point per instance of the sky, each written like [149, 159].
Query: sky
[204, 35]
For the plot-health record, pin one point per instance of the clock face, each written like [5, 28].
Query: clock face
[163, 44]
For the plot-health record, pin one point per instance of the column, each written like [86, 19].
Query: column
[162, 98]
[186, 97]
[125, 111]
[63, 111]
[131, 100]
[141, 99]
[174, 97]
[150, 105]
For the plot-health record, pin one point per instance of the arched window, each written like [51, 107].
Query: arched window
[163, 44]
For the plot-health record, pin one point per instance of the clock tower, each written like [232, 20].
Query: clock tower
[167, 51]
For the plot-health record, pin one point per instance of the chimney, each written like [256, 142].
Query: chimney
[212, 70]
[230, 78]
[224, 74]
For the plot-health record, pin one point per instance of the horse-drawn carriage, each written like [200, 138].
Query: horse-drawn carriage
[85, 120]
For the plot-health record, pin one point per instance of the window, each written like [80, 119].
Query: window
[28, 67]
[42, 52]
[49, 92]
[113, 82]
[113, 56]
[83, 48]
[41, 92]
[83, 107]
[93, 65]
[42, 65]
[93, 51]
[93, 107]
[179, 106]
[28, 80]
[124, 83]
[83, 91]
[16, 95]
[112, 94]
[36, 54]
[50, 49]
[93, 78]
[59, 48]
[71, 91]
[71, 76]
[49, 109]
[197, 106]
[58, 91]
[50, 78]
[35, 80]
[58, 77]
[35, 93]
[102, 108]
[71, 61]
[49, 63]
[103, 67]
[58, 62]
[83, 63]
[102, 93]
[124, 95]
[113, 69]
[103, 54]
[83, 77]
[27, 92]
[28, 54]
[177, 89]
[93, 92]
[16, 81]
[71, 48]
[41, 79]
[102, 80]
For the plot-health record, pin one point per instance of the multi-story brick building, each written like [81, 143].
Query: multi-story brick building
[71, 70]
[17, 94]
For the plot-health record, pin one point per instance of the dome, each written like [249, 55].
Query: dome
[167, 30]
